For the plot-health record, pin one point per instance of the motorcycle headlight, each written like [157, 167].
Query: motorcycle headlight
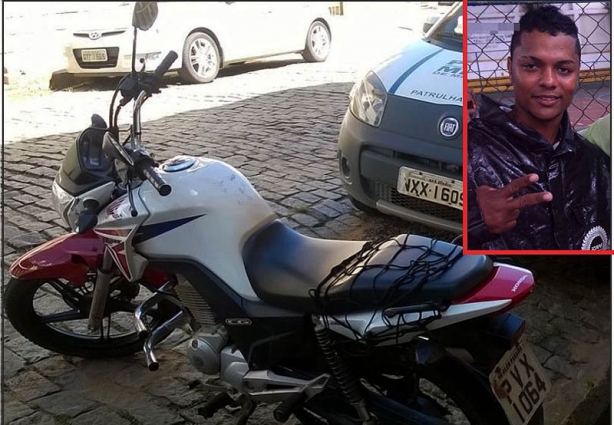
[368, 100]
[62, 201]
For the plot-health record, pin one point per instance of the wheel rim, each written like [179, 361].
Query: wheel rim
[425, 397]
[432, 394]
[63, 308]
[320, 43]
[203, 58]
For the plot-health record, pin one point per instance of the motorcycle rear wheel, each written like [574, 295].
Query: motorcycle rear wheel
[451, 386]
[444, 386]
[53, 314]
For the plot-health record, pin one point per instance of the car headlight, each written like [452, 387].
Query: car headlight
[62, 201]
[368, 100]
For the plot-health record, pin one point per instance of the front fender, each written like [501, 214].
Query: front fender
[68, 257]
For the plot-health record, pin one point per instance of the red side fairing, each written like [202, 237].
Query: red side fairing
[504, 283]
[155, 278]
[119, 244]
[67, 257]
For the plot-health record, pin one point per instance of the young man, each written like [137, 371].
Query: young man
[533, 182]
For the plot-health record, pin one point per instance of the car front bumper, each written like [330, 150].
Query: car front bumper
[119, 55]
[369, 162]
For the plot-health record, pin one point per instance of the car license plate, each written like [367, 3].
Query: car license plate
[520, 383]
[430, 187]
[96, 55]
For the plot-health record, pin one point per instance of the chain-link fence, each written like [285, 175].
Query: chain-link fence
[490, 26]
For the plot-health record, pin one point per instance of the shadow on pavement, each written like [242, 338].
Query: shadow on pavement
[60, 80]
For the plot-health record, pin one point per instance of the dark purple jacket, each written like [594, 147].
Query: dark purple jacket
[576, 172]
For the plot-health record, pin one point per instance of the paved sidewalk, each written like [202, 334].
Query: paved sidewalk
[285, 143]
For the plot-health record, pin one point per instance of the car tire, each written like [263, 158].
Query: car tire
[317, 44]
[201, 60]
[364, 208]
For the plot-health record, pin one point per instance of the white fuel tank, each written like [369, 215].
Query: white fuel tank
[211, 212]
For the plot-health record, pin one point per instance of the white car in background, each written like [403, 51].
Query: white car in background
[207, 36]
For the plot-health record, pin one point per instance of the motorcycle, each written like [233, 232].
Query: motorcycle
[406, 330]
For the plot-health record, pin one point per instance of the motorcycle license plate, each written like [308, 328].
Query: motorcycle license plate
[430, 187]
[95, 55]
[520, 383]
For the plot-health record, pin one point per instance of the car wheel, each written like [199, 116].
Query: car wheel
[317, 45]
[362, 207]
[201, 59]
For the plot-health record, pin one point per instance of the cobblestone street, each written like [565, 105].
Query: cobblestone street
[284, 142]
[278, 124]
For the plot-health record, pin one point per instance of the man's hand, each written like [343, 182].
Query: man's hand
[500, 209]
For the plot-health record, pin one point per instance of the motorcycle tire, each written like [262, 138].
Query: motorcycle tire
[452, 379]
[471, 396]
[32, 307]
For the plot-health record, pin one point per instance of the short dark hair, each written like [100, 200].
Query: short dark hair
[545, 19]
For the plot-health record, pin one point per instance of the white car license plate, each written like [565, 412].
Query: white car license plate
[431, 187]
[520, 383]
[96, 55]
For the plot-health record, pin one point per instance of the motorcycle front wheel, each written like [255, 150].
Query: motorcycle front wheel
[53, 314]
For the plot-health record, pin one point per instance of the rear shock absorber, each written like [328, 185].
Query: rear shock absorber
[344, 377]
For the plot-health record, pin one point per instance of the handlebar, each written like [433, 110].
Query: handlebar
[133, 85]
[165, 64]
[145, 88]
[140, 86]
[150, 173]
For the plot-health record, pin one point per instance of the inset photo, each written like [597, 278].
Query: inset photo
[538, 167]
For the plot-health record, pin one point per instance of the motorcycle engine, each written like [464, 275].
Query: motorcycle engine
[205, 347]
[204, 351]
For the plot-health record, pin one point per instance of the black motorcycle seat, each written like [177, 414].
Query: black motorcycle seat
[286, 267]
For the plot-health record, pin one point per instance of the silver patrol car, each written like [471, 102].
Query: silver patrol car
[400, 143]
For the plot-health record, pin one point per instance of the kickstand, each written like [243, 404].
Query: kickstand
[247, 408]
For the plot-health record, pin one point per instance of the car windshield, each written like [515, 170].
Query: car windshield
[448, 33]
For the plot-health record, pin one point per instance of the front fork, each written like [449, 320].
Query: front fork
[101, 292]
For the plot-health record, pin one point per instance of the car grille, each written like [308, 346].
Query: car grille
[377, 190]
[112, 56]
[100, 34]
[431, 165]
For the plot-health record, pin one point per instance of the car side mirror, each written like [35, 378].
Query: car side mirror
[144, 14]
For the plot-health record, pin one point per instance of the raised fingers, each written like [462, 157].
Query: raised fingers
[530, 199]
[519, 183]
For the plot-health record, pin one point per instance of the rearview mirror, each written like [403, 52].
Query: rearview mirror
[144, 14]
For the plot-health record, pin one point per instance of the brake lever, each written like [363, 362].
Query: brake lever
[133, 211]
